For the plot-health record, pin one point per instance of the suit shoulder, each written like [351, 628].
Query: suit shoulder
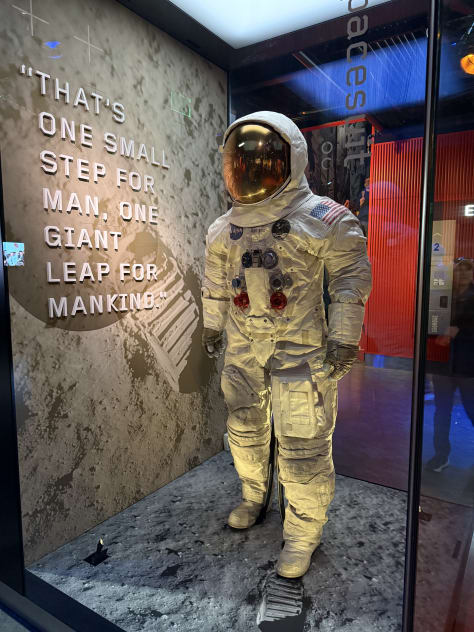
[217, 229]
[330, 212]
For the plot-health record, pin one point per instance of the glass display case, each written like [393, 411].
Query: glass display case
[116, 478]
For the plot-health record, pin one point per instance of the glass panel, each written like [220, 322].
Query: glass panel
[112, 178]
[365, 151]
[445, 552]
[359, 101]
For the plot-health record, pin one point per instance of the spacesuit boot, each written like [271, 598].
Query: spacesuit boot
[245, 515]
[303, 528]
[295, 559]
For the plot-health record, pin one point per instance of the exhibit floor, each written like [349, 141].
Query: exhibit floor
[175, 565]
[372, 437]
[444, 540]
[8, 624]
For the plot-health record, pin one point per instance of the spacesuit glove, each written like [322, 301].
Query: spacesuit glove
[340, 357]
[213, 342]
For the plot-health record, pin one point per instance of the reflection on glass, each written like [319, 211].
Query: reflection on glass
[361, 112]
[459, 336]
[445, 552]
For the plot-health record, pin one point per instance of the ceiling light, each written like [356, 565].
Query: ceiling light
[467, 64]
[248, 22]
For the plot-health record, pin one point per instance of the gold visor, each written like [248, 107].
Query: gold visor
[256, 163]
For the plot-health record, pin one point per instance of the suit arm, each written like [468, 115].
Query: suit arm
[214, 292]
[350, 278]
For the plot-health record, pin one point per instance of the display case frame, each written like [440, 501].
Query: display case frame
[43, 607]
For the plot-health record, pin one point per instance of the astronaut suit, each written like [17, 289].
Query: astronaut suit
[263, 285]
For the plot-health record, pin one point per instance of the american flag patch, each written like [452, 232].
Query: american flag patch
[328, 211]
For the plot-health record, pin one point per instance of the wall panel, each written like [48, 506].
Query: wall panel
[393, 232]
[111, 405]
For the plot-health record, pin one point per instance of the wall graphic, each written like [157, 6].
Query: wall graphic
[111, 178]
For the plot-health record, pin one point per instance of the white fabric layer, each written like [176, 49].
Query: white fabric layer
[311, 246]
[345, 322]
[214, 313]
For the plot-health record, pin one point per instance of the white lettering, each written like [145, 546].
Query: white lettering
[110, 303]
[86, 273]
[81, 99]
[56, 311]
[49, 274]
[52, 237]
[69, 272]
[86, 135]
[96, 302]
[469, 210]
[68, 130]
[149, 300]
[102, 270]
[43, 78]
[61, 91]
[127, 150]
[135, 301]
[50, 203]
[142, 153]
[119, 114]
[48, 158]
[97, 99]
[47, 123]
[78, 306]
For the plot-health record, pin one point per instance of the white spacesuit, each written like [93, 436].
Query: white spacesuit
[265, 261]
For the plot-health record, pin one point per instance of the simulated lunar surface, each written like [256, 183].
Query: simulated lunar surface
[175, 565]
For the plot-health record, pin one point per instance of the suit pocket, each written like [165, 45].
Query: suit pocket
[293, 403]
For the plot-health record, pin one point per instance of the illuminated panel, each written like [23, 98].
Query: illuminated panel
[390, 76]
[248, 22]
[455, 167]
[393, 232]
[393, 246]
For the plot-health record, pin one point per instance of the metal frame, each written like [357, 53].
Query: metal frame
[44, 608]
[11, 542]
[64, 608]
[27, 613]
[421, 314]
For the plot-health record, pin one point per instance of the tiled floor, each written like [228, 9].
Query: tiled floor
[174, 561]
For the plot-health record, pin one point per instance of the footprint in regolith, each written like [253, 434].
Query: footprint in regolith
[170, 571]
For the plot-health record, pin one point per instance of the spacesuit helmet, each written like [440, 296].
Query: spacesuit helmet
[256, 163]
